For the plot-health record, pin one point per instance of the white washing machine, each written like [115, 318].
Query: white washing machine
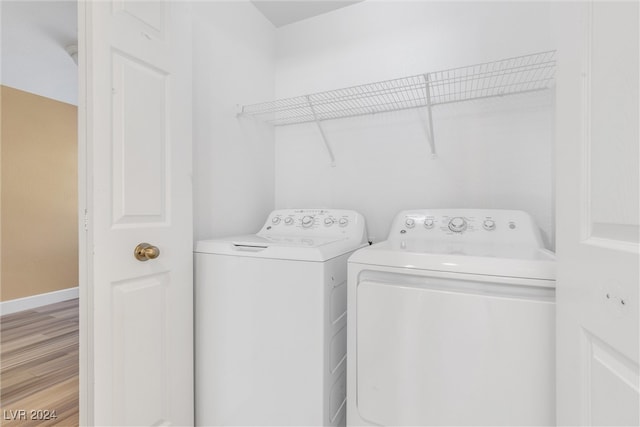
[451, 322]
[270, 321]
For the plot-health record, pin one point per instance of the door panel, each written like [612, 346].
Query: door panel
[611, 121]
[137, 327]
[152, 14]
[613, 378]
[139, 141]
[598, 175]
[140, 336]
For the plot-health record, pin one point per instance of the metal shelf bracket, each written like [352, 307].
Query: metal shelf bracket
[324, 136]
[432, 142]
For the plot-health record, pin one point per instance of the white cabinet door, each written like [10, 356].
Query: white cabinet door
[597, 204]
[136, 340]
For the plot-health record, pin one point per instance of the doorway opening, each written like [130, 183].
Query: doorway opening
[39, 271]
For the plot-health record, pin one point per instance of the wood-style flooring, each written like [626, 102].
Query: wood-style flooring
[39, 366]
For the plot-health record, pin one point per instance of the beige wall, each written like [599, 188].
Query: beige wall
[39, 195]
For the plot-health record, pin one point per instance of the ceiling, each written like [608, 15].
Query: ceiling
[35, 35]
[286, 12]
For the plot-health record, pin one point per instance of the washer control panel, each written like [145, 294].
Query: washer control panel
[482, 225]
[314, 222]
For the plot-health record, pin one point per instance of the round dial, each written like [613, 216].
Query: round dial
[329, 221]
[457, 224]
[489, 224]
[343, 222]
[276, 220]
[410, 222]
[428, 223]
[288, 220]
[307, 221]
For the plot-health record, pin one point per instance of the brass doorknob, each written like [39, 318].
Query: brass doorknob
[145, 252]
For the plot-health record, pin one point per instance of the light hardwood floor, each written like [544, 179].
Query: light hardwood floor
[39, 366]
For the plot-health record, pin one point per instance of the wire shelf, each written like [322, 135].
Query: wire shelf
[498, 78]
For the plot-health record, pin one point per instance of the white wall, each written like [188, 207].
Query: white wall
[234, 63]
[492, 154]
[34, 37]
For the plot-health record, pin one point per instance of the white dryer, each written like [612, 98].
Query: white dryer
[451, 322]
[270, 321]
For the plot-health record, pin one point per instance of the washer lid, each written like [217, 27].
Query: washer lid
[494, 260]
[279, 247]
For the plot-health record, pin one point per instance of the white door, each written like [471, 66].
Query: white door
[597, 221]
[136, 316]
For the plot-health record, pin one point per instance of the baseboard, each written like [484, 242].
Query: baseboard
[27, 303]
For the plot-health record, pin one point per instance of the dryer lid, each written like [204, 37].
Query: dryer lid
[526, 263]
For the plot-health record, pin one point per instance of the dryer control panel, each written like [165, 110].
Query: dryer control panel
[466, 225]
[315, 223]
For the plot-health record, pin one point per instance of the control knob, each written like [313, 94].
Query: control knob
[307, 221]
[276, 220]
[288, 220]
[410, 222]
[489, 224]
[343, 222]
[329, 221]
[457, 224]
[428, 223]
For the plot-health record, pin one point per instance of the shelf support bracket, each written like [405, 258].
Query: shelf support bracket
[432, 142]
[324, 137]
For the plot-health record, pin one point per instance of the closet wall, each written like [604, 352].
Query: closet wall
[494, 153]
[233, 63]
[39, 194]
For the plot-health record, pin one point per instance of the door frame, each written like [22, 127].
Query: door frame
[85, 406]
